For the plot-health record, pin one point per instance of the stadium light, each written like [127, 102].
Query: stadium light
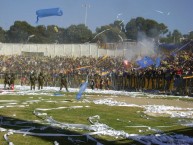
[86, 7]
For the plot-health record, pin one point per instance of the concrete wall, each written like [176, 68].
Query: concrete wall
[75, 50]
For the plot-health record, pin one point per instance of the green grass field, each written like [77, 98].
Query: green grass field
[17, 112]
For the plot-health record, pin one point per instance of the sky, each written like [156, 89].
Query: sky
[175, 14]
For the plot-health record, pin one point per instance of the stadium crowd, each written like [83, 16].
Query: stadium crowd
[107, 72]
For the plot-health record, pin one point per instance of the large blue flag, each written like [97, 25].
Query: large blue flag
[157, 62]
[145, 62]
[48, 12]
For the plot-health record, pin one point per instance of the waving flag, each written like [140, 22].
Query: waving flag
[48, 12]
[83, 67]
[82, 89]
[157, 62]
[145, 62]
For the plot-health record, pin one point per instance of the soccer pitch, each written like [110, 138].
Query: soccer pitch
[50, 117]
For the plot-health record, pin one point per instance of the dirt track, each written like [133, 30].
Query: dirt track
[150, 101]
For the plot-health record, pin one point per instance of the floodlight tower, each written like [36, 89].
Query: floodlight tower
[86, 11]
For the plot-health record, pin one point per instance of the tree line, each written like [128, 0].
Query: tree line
[135, 29]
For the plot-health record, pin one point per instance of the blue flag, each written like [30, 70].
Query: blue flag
[48, 12]
[157, 62]
[145, 62]
[82, 89]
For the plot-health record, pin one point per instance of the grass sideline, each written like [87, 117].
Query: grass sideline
[117, 117]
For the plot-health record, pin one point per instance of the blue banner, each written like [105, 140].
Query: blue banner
[157, 62]
[48, 12]
[145, 62]
[82, 89]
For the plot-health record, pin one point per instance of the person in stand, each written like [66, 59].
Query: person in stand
[101, 83]
[187, 82]
[5, 79]
[141, 80]
[168, 79]
[178, 81]
[107, 83]
[92, 84]
[12, 81]
[63, 81]
[23, 80]
[97, 80]
[158, 78]
[9, 79]
[41, 80]
[33, 79]
[153, 78]
[148, 77]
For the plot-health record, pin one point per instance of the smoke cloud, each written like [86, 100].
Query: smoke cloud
[144, 47]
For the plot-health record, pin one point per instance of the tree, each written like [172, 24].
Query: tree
[162, 28]
[2, 35]
[41, 35]
[148, 27]
[19, 32]
[190, 36]
[78, 34]
[61, 35]
[52, 34]
[110, 33]
[131, 29]
[167, 39]
[176, 35]
[119, 24]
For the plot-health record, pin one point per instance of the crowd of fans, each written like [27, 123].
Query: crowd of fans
[106, 72]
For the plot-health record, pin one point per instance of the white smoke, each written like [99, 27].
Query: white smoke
[144, 47]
